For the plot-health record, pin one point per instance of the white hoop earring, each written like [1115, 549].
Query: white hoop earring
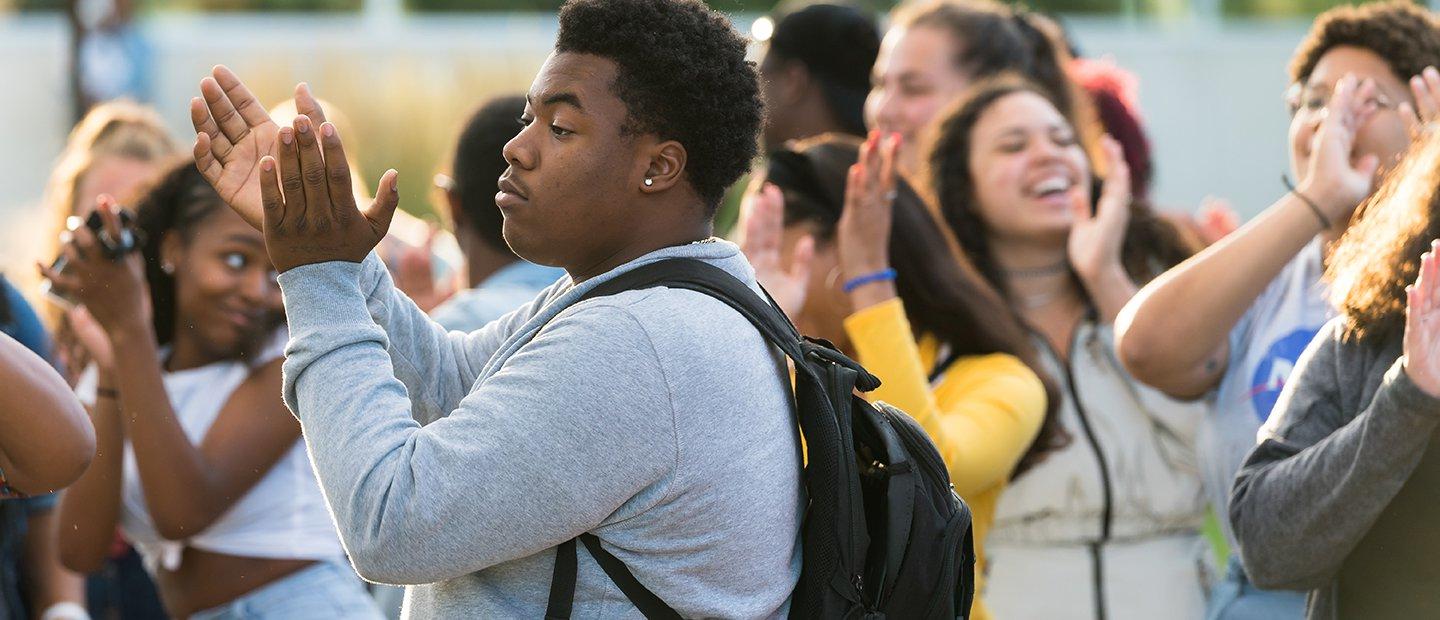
[649, 182]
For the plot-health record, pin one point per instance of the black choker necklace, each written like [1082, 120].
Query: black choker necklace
[1036, 272]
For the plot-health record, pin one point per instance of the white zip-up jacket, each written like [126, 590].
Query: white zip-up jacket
[1106, 527]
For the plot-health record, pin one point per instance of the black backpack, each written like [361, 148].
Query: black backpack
[884, 533]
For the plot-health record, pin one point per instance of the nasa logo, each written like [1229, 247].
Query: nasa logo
[1274, 369]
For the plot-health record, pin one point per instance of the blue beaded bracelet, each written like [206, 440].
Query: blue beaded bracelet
[879, 276]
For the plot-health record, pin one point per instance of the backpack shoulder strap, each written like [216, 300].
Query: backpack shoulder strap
[705, 278]
[762, 312]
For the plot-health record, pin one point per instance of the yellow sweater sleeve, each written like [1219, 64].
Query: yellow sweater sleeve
[984, 414]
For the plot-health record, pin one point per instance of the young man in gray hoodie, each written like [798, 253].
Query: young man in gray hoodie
[658, 420]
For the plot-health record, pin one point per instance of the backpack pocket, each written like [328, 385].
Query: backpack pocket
[957, 571]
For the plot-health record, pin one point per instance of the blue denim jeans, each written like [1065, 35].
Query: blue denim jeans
[324, 590]
[1236, 598]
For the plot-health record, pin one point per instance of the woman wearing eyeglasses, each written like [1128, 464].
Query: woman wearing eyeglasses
[1249, 305]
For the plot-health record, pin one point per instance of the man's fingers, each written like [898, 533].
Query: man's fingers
[271, 198]
[306, 103]
[216, 142]
[244, 102]
[223, 111]
[387, 198]
[312, 171]
[337, 170]
[291, 182]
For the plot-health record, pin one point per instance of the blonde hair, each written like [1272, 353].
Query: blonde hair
[116, 129]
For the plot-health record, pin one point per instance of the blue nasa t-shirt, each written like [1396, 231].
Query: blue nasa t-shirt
[1263, 348]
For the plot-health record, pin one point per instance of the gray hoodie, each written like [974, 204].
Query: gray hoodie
[1340, 497]
[659, 420]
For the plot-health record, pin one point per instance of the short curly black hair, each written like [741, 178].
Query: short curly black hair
[682, 74]
[1406, 36]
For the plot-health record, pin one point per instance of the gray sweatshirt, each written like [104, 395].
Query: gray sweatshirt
[659, 420]
[1340, 497]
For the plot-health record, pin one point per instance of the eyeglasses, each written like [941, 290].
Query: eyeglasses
[1300, 99]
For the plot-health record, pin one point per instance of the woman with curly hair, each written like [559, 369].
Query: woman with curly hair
[1339, 497]
[1249, 305]
[1106, 527]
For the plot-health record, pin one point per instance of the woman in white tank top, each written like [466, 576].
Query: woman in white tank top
[198, 461]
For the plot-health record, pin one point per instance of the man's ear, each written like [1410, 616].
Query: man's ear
[665, 168]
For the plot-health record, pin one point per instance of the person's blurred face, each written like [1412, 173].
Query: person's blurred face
[568, 195]
[776, 86]
[1028, 168]
[116, 176]
[826, 304]
[1385, 134]
[914, 78]
[226, 296]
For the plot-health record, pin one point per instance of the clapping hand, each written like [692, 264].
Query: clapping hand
[1337, 181]
[233, 131]
[1096, 240]
[308, 203]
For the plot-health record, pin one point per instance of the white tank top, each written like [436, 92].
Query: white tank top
[283, 516]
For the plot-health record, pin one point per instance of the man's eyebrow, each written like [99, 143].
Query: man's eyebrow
[567, 98]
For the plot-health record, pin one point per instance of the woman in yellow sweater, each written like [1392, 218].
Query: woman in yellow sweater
[947, 349]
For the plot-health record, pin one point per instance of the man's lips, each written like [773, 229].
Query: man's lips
[511, 193]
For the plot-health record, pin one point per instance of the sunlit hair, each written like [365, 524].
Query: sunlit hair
[1380, 252]
[117, 129]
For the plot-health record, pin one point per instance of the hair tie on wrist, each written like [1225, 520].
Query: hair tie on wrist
[883, 275]
[1314, 208]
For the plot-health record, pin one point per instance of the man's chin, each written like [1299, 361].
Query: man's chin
[531, 249]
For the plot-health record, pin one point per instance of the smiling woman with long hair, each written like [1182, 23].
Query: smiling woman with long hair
[1108, 526]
